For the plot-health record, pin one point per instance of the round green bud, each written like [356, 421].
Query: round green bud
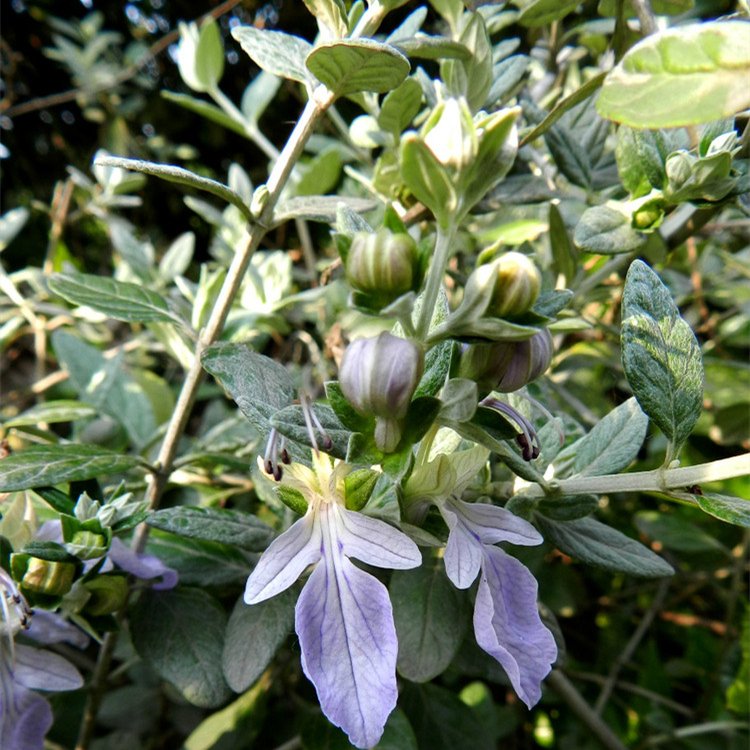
[47, 577]
[382, 263]
[378, 376]
[516, 285]
[108, 594]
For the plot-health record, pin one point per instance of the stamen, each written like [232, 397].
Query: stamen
[14, 610]
[271, 456]
[527, 439]
[312, 419]
[284, 453]
[546, 413]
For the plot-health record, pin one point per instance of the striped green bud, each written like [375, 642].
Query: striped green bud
[382, 264]
[47, 577]
[516, 285]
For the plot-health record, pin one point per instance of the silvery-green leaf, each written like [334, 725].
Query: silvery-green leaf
[204, 109]
[53, 464]
[331, 16]
[178, 256]
[541, 12]
[726, 508]
[682, 76]
[606, 230]
[52, 412]
[672, 531]
[291, 423]
[11, 223]
[323, 208]
[349, 67]
[180, 634]
[121, 300]
[432, 48]
[660, 355]
[259, 94]
[507, 75]
[275, 52]
[400, 106]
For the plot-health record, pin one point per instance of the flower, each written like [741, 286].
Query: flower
[343, 617]
[506, 619]
[25, 717]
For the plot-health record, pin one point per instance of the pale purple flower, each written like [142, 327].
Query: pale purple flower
[343, 617]
[506, 619]
[25, 716]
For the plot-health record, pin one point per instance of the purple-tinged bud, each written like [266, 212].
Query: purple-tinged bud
[506, 366]
[382, 264]
[516, 286]
[379, 376]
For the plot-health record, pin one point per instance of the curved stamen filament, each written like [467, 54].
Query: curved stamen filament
[527, 439]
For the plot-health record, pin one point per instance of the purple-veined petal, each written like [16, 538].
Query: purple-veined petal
[47, 628]
[43, 670]
[375, 542]
[463, 553]
[507, 623]
[25, 717]
[345, 625]
[284, 560]
[142, 565]
[493, 524]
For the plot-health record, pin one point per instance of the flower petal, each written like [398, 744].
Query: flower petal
[25, 717]
[142, 565]
[43, 670]
[493, 524]
[375, 542]
[284, 560]
[507, 623]
[345, 625]
[463, 553]
[47, 628]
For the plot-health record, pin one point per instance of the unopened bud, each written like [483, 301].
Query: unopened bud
[379, 376]
[451, 135]
[48, 577]
[516, 287]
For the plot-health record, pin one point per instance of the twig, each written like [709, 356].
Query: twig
[576, 702]
[646, 16]
[631, 646]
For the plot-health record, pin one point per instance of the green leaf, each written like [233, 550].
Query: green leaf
[459, 400]
[606, 230]
[181, 176]
[433, 48]
[738, 693]
[541, 12]
[200, 563]
[609, 448]
[565, 508]
[205, 109]
[660, 7]
[320, 174]
[604, 547]
[353, 66]
[53, 464]
[660, 355]
[323, 208]
[291, 422]
[209, 54]
[725, 507]
[275, 52]
[180, 634]
[400, 107]
[436, 365]
[11, 223]
[427, 178]
[564, 255]
[682, 76]
[431, 618]
[675, 533]
[330, 14]
[254, 634]
[52, 412]
[214, 525]
[260, 386]
[120, 300]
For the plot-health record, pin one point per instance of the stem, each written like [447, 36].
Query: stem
[435, 278]
[645, 16]
[658, 480]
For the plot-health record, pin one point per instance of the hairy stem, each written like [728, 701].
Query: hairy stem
[435, 278]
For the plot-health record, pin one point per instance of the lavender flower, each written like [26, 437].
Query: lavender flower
[343, 617]
[506, 620]
[25, 717]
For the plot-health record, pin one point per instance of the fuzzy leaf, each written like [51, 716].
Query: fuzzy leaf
[275, 52]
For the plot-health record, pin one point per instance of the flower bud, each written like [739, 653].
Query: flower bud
[506, 366]
[382, 264]
[379, 376]
[108, 594]
[516, 287]
[48, 577]
[451, 135]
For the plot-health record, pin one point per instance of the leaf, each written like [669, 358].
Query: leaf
[322, 208]
[330, 14]
[400, 107]
[682, 76]
[172, 173]
[738, 693]
[53, 464]
[660, 355]
[432, 48]
[120, 300]
[675, 533]
[604, 547]
[205, 109]
[291, 422]
[199, 563]
[579, 95]
[431, 619]
[254, 634]
[214, 525]
[726, 508]
[11, 223]
[541, 12]
[353, 66]
[180, 634]
[436, 365]
[260, 386]
[609, 448]
[603, 229]
[52, 412]
[275, 52]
